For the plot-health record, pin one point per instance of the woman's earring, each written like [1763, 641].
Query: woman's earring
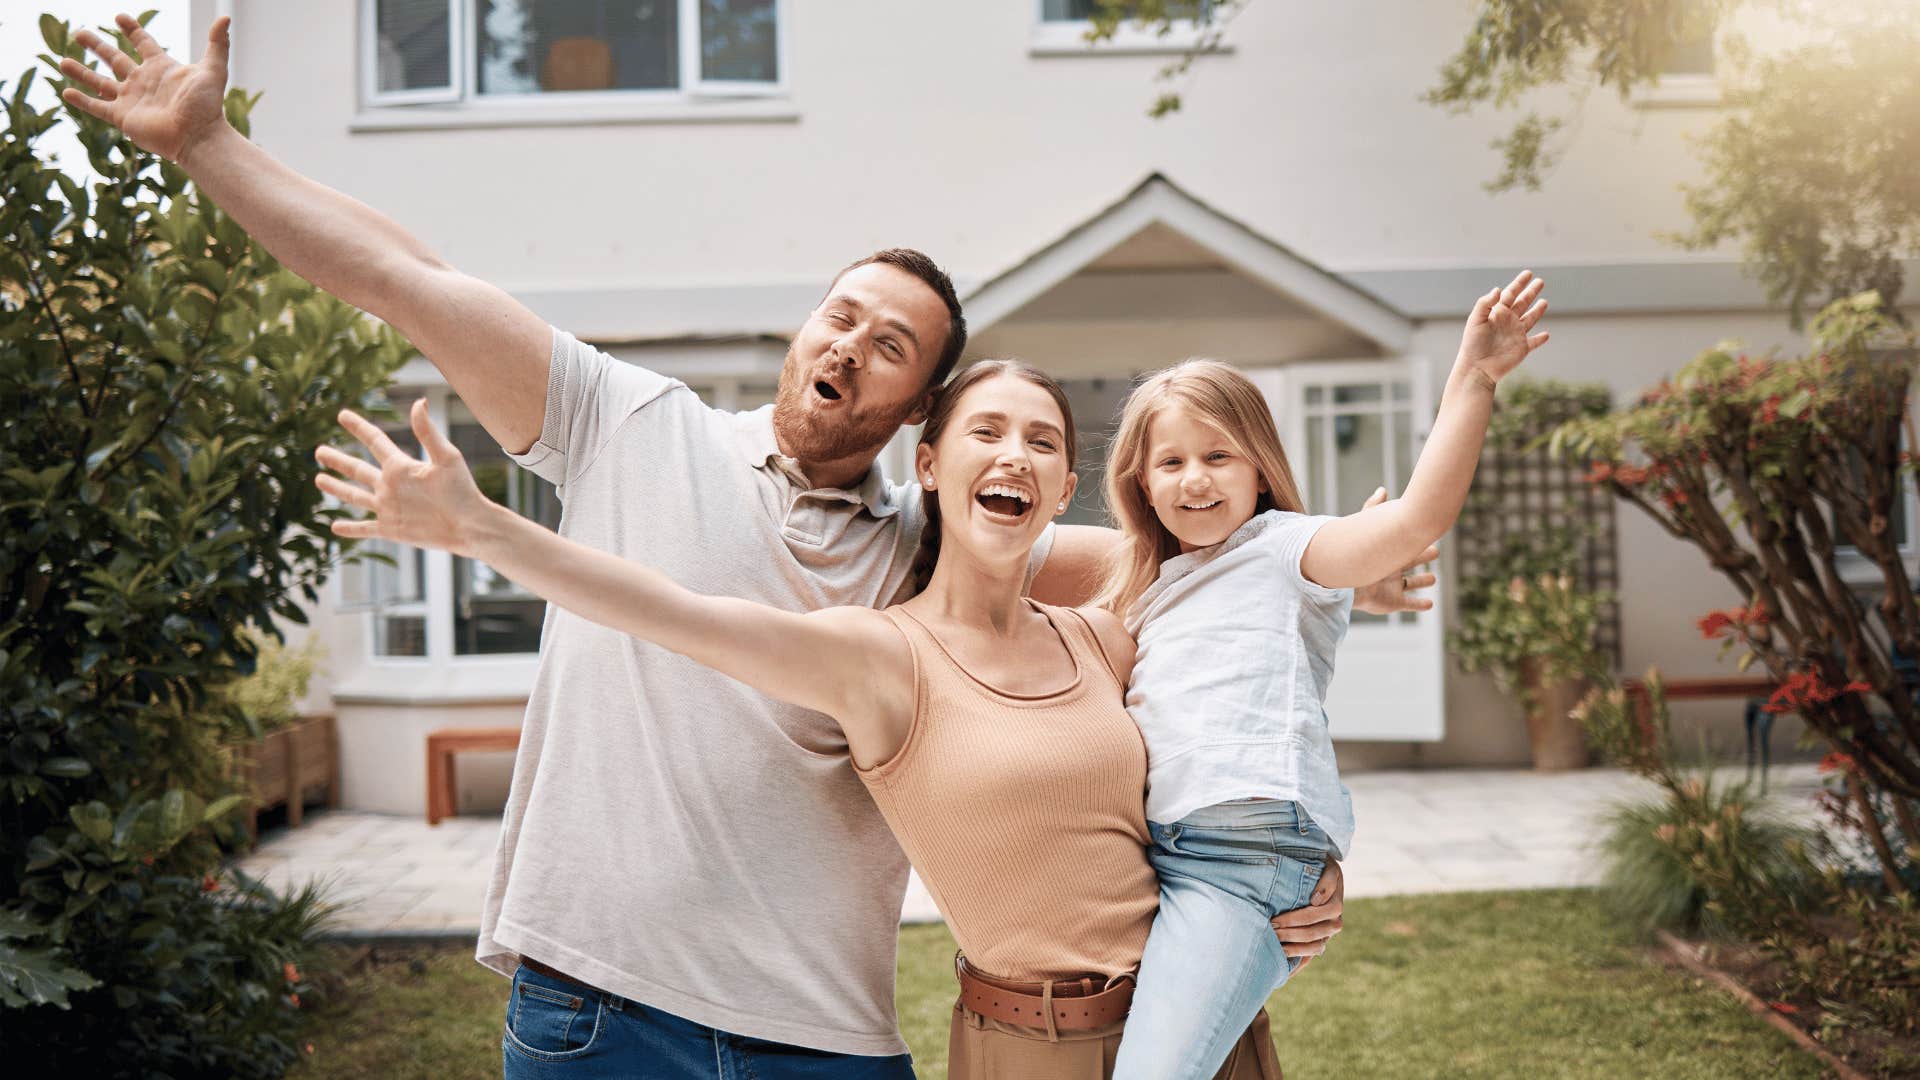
[929, 481]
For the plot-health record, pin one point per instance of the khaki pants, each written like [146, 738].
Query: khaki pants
[983, 1049]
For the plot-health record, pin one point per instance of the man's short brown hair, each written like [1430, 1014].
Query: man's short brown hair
[924, 268]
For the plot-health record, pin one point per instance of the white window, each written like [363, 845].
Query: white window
[1687, 78]
[1060, 28]
[431, 605]
[480, 51]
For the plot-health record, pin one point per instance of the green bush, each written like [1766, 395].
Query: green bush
[1667, 858]
[164, 384]
[1699, 856]
[267, 698]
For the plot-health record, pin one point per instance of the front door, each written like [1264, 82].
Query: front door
[1350, 427]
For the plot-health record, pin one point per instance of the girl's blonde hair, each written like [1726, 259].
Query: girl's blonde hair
[1217, 395]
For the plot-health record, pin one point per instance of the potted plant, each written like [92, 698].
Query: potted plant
[1535, 636]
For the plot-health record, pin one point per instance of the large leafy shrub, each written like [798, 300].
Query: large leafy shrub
[163, 384]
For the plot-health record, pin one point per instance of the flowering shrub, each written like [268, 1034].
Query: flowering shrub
[1777, 470]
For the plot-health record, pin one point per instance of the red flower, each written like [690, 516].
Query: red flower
[1631, 475]
[1741, 619]
[209, 884]
[1770, 409]
[1600, 473]
[1805, 688]
[292, 973]
[1835, 762]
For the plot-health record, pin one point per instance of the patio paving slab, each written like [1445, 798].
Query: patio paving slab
[1420, 831]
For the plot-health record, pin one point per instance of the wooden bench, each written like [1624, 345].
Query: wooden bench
[1759, 722]
[442, 745]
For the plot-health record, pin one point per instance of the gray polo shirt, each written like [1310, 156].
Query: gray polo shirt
[672, 836]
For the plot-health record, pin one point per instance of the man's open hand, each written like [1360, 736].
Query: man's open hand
[164, 106]
[1395, 592]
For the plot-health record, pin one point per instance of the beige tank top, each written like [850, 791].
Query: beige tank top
[1025, 814]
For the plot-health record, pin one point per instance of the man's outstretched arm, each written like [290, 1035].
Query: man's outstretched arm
[492, 349]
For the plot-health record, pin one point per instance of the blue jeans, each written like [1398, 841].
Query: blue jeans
[1212, 958]
[561, 1029]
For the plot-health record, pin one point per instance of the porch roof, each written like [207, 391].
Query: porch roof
[1159, 224]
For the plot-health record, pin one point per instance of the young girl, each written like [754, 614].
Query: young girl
[1237, 600]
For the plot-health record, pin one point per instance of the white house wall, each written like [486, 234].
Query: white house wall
[932, 125]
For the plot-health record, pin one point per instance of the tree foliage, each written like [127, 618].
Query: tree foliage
[163, 384]
[1207, 18]
[1815, 166]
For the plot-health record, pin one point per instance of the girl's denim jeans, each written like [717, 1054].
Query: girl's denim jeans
[1212, 958]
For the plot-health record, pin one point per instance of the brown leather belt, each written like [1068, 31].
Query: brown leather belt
[531, 964]
[1058, 1004]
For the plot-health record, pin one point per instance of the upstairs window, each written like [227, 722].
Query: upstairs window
[417, 51]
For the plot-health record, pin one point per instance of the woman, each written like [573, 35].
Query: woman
[989, 728]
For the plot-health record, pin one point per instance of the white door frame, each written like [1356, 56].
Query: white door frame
[1390, 678]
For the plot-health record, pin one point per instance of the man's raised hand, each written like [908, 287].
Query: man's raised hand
[164, 106]
[432, 503]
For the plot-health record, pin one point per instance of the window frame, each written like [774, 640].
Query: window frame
[1067, 37]
[369, 38]
[464, 96]
[443, 674]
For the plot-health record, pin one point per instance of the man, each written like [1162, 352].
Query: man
[693, 870]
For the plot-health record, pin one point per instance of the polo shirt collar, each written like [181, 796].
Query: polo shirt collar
[754, 434]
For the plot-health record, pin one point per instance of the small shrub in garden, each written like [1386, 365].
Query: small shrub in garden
[1700, 856]
[162, 389]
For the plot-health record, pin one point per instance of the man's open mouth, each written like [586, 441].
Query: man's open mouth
[1004, 500]
[826, 390]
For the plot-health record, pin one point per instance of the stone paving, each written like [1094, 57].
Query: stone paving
[1438, 830]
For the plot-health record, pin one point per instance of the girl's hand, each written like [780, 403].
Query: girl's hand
[432, 503]
[1498, 334]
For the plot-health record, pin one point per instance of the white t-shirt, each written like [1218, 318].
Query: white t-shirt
[671, 835]
[1235, 655]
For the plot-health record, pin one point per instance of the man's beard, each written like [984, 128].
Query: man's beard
[811, 438]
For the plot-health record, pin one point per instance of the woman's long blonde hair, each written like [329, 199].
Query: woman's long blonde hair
[1214, 394]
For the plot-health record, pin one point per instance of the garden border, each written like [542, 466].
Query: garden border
[1690, 958]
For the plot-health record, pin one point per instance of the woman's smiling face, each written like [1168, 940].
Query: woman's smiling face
[1000, 467]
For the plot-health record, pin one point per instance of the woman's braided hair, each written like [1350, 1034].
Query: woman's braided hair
[945, 401]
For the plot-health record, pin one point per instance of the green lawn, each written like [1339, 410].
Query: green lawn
[1533, 984]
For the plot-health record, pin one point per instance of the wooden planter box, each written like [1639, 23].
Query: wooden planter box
[292, 767]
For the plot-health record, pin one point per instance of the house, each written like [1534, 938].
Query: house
[677, 182]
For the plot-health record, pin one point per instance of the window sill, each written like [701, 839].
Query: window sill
[1069, 39]
[566, 114]
[468, 680]
[1859, 572]
[1679, 92]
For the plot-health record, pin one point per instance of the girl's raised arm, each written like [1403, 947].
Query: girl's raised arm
[1364, 547]
[846, 662]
